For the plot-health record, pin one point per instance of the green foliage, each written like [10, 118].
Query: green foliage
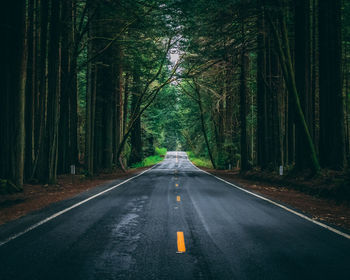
[199, 161]
[161, 151]
[163, 119]
[152, 160]
[148, 161]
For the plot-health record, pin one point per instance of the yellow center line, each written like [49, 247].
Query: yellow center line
[178, 198]
[180, 242]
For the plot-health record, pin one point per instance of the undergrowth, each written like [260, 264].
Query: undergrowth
[152, 160]
[199, 161]
[161, 151]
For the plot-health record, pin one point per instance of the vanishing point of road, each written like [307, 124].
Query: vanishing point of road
[171, 222]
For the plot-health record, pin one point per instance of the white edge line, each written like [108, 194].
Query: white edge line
[69, 208]
[280, 205]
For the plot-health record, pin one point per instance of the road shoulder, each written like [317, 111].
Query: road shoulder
[326, 211]
[37, 197]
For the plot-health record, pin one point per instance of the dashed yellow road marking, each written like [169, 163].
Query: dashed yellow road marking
[176, 185]
[180, 242]
[178, 198]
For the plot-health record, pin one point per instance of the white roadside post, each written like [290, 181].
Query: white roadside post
[72, 171]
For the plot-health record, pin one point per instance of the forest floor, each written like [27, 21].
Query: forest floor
[35, 197]
[305, 195]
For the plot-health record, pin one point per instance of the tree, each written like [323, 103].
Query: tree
[302, 77]
[283, 48]
[13, 70]
[331, 98]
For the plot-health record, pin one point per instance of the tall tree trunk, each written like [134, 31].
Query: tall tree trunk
[229, 107]
[221, 157]
[63, 144]
[273, 92]
[314, 70]
[261, 89]
[20, 74]
[347, 112]
[40, 164]
[91, 78]
[302, 77]
[330, 81]
[107, 91]
[68, 140]
[73, 101]
[13, 71]
[243, 107]
[54, 92]
[118, 105]
[347, 101]
[31, 88]
[135, 139]
[126, 102]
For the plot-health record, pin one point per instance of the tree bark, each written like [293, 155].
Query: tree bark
[135, 138]
[54, 78]
[20, 75]
[261, 89]
[331, 98]
[31, 88]
[302, 77]
[243, 108]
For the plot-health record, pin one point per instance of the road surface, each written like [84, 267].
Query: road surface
[172, 222]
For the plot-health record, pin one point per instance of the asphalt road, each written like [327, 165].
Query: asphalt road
[131, 232]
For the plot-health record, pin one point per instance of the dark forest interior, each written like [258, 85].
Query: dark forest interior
[103, 85]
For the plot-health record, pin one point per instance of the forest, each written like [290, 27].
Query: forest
[103, 84]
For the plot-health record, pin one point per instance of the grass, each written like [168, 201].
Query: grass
[199, 161]
[152, 160]
[161, 151]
